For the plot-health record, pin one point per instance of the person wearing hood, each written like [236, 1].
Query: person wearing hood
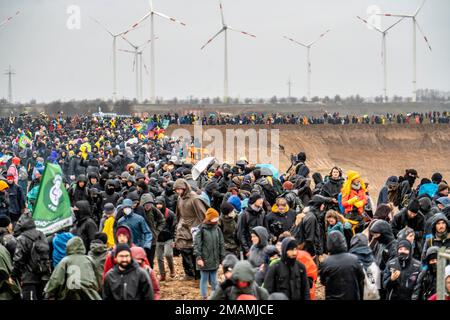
[382, 242]
[428, 210]
[140, 256]
[440, 230]
[446, 284]
[31, 275]
[260, 238]
[253, 216]
[281, 218]
[208, 250]
[287, 275]
[164, 245]
[142, 235]
[107, 223]
[412, 218]
[9, 289]
[16, 198]
[333, 186]
[123, 235]
[99, 252]
[318, 183]
[242, 282]
[156, 222]
[401, 273]
[354, 199]
[61, 285]
[228, 223]
[190, 213]
[359, 246]
[291, 197]
[58, 244]
[426, 283]
[76, 166]
[409, 234]
[109, 195]
[127, 280]
[405, 189]
[389, 192]
[341, 273]
[80, 190]
[84, 227]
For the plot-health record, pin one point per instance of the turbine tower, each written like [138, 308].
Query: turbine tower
[415, 26]
[383, 51]
[225, 29]
[308, 58]
[10, 73]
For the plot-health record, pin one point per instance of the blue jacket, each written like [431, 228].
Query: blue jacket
[59, 246]
[142, 236]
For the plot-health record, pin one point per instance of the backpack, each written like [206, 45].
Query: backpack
[40, 256]
[23, 174]
[370, 282]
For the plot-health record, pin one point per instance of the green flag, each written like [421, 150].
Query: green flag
[52, 211]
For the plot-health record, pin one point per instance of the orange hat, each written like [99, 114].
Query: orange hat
[211, 215]
[16, 161]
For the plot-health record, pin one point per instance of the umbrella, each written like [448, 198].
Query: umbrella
[201, 166]
[268, 170]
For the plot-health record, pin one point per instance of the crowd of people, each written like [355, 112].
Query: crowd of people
[433, 117]
[134, 201]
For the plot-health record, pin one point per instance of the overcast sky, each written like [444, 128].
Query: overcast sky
[53, 62]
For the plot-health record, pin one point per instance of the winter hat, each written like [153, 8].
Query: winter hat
[288, 185]
[289, 243]
[436, 177]
[229, 262]
[109, 208]
[301, 156]
[236, 202]
[4, 221]
[133, 196]
[103, 237]
[127, 203]
[226, 208]
[211, 215]
[123, 230]
[122, 247]
[147, 198]
[404, 244]
[414, 206]
[382, 212]
[442, 186]
[16, 161]
[254, 197]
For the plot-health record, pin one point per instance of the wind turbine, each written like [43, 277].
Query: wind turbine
[152, 13]
[137, 64]
[114, 36]
[383, 51]
[225, 29]
[9, 19]
[415, 26]
[308, 57]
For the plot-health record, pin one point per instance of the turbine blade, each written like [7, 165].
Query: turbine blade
[124, 50]
[423, 35]
[9, 19]
[395, 15]
[137, 23]
[221, 13]
[243, 32]
[150, 2]
[398, 21]
[369, 24]
[212, 38]
[134, 62]
[295, 41]
[321, 36]
[146, 69]
[419, 8]
[162, 15]
[129, 42]
[100, 24]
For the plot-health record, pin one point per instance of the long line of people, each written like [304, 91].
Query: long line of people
[274, 238]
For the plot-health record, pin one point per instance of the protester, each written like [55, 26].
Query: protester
[164, 245]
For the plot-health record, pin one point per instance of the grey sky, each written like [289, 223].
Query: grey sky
[53, 62]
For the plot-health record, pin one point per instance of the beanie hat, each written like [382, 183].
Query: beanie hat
[127, 203]
[382, 212]
[442, 186]
[226, 208]
[122, 247]
[123, 230]
[16, 161]
[211, 215]
[254, 197]
[236, 202]
[4, 221]
[288, 185]
[436, 177]
[404, 244]
[414, 206]
[109, 208]
[103, 237]
[229, 262]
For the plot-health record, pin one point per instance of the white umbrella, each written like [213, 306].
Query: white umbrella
[201, 166]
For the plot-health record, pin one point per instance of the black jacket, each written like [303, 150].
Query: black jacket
[247, 221]
[131, 284]
[402, 288]
[309, 233]
[288, 277]
[168, 232]
[385, 248]
[228, 226]
[401, 220]
[280, 222]
[85, 227]
[26, 233]
[16, 200]
[341, 273]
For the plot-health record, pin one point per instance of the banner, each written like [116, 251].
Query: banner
[24, 140]
[165, 123]
[52, 211]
